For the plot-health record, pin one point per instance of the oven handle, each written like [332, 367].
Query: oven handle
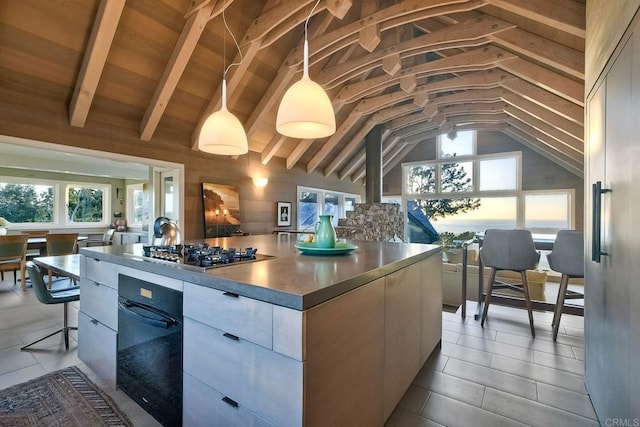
[125, 305]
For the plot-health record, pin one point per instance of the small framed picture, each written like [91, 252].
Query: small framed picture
[284, 214]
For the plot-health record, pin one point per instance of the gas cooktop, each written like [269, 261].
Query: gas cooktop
[201, 256]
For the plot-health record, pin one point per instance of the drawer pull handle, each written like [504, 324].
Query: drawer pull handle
[230, 402]
[230, 336]
[94, 321]
[231, 294]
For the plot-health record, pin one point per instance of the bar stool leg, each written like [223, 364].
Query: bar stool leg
[527, 301]
[492, 278]
[562, 291]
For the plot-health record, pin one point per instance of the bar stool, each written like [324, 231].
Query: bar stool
[567, 257]
[511, 250]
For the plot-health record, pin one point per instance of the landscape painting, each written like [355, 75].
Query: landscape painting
[221, 207]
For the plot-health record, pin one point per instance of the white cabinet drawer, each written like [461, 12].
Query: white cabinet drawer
[261, 380]
[97, 348]
[203, 406]
[101, 272]
[244, 317]
[99, 302]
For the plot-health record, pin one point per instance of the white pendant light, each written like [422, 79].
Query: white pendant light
[305, 111]
[222, 133]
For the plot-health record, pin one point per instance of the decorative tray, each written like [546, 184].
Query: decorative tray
[340, 248]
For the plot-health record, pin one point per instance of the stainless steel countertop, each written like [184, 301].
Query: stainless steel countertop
[290, 279]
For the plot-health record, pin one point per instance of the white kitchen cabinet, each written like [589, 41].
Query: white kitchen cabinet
[98, 350]
[205, 406]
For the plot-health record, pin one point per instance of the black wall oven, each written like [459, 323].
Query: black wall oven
[149, 363]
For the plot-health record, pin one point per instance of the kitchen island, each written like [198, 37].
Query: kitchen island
[289, 340]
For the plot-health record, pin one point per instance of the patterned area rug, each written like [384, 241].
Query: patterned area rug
[62, 398]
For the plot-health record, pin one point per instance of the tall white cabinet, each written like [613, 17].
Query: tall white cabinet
[612, 299]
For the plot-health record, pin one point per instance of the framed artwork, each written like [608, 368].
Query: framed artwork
[284, 214]
[221, 209]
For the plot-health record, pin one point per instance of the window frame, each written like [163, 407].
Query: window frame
[131, 214]
[321, 195]
[60, 203]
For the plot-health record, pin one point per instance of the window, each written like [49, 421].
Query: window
[84, 204]
[137, 209]
[27, 202]
[547, 211]
[475, 193]
[313, 202]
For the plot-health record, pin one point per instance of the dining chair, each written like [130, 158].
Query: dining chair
[36, 249]
[61, 244]
[567, 257]
[511, 250]
[58, 296]
[106, 240]
[13, 250]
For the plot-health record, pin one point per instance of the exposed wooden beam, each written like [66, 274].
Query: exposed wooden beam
[570, 142]
[559, 149]
[369, 36]
[182, 51]
[546, 79]
[448, 37]
[401, 13]
[541, 149]
[565, 15]
[548, 52]
[477, 59]
[95, 57]
[271, 17]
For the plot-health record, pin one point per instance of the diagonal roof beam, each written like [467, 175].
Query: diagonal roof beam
[95, 57]
[182, 51]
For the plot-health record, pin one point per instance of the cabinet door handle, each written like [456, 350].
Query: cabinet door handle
[596, 225]
[230, 336]
[230, 402]
[231, 294]
[94, 321]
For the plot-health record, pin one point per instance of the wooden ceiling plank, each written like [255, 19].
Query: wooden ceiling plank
[182, 51]
[405, 11]
[351, 166]
[552, 143]
[570, 141]
[559, 105]
[546, 51]
[541, 149]
[547, 79]
[562, 124]
[95, 57]
[465, 31]
[565, 15]
[332, 141]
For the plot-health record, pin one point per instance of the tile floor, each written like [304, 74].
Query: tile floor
[494, 376]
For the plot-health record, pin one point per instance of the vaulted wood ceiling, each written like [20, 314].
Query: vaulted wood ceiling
[418, 67]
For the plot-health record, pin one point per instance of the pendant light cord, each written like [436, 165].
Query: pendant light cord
[306, 23]
[226, 26]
